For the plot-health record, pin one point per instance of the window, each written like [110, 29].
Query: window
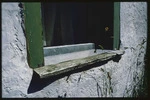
[74, 23]
[53, 24]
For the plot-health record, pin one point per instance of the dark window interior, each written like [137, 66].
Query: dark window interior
[74, 23]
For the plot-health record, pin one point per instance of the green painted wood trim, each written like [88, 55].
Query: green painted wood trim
[33, 31]
[116, 42]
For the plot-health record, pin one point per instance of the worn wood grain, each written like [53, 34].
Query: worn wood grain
[70, 65]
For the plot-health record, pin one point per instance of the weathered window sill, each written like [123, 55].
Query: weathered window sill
[66, 66]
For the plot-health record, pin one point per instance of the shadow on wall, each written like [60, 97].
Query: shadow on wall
[38, 84]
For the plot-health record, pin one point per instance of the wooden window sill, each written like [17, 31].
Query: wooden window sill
[70, 65]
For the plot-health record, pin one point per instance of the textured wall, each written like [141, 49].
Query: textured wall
[16, 74]
[113, 79]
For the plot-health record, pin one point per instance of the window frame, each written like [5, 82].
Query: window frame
[34, 32]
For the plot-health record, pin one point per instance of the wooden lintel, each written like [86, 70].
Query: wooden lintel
[55, 69]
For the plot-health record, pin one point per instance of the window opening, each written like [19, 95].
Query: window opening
[70, 23]
[75, 23]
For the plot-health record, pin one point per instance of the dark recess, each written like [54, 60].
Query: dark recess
[79, 23]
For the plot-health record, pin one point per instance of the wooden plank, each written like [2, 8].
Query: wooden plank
[33, 31]
[55, 69]
[116, 25]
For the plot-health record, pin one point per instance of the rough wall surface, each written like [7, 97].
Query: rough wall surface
[114, 79]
